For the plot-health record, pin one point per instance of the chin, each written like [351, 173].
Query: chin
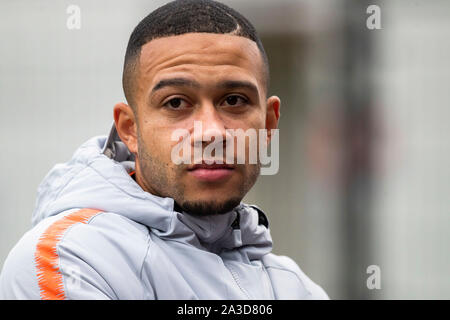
[209, 207]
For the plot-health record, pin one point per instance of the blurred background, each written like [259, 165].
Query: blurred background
[364, 173]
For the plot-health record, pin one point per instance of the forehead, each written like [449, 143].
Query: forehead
[204, 55]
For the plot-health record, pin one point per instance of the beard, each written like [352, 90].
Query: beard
[214, 207]
[208, 208]
[163, 180]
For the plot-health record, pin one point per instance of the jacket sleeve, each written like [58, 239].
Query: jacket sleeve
[289, 281]
[86, 263]
[315, 291]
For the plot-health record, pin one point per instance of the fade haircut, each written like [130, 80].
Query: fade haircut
[180, 17]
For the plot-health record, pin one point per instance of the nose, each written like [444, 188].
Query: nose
[208, 124]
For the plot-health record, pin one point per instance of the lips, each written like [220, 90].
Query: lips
[212, 166]
[211, 172]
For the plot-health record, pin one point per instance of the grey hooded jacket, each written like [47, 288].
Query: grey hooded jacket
[97, 235]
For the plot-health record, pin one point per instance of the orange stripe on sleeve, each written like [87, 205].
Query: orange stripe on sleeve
[50, 279]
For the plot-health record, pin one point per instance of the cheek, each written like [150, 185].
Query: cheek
[255, 119]
[158, 144]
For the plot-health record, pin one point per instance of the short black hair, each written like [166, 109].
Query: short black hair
[180, 17]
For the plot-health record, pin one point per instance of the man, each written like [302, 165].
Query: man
[123, 220]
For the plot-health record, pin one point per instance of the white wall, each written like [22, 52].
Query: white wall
[412, 190]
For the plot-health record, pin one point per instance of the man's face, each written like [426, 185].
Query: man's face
[214, 79]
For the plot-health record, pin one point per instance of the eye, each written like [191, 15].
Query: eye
[176, 103]
[235, 100]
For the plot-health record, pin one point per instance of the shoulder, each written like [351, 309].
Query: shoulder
[81, 247]
[101, 235]
[91, 232]
[89, 227]
[289, 280]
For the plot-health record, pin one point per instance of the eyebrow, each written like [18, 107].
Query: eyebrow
[175, 82]
[184, 82]
[236, 84]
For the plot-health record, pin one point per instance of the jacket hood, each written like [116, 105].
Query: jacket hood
[98, 177]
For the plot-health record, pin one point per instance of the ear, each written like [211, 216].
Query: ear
[126, 125]
[272, 115]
